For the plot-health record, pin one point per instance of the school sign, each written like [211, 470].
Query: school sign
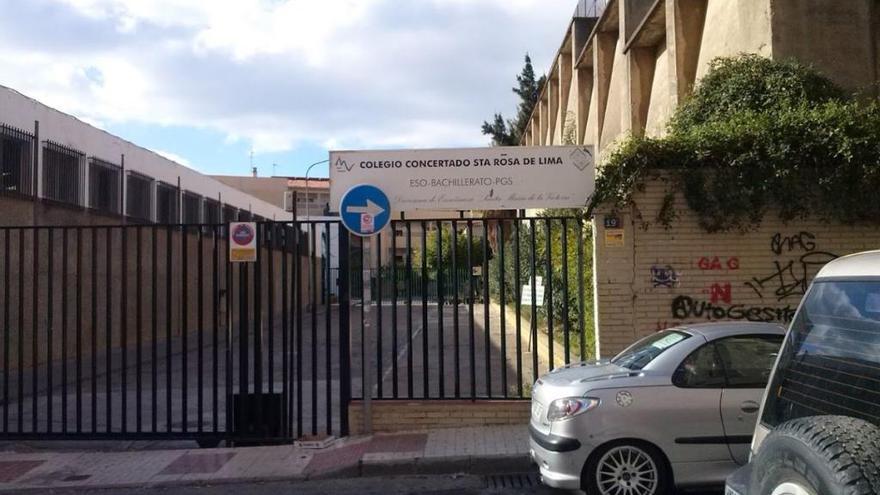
[497, 178]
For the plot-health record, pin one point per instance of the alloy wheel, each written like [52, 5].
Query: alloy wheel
[627, 470]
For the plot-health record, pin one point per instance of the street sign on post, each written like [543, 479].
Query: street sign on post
[243, 242]
[365, 211]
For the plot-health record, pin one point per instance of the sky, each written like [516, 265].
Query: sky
[207, 82]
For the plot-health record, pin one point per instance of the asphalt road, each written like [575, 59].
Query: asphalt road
[420, 485]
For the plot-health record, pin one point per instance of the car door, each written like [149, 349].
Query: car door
[694, 408]
[747, 361]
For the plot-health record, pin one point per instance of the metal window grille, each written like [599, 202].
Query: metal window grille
[230, 213]
[104, 183]
[63, 173]
[212, 211]
[139, 196]
[16, 161]
[166, 203]
[244, 216]
[192, 208]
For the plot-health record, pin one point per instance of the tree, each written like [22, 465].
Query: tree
[509, 132]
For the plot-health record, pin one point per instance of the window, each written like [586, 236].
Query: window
[830, 363]
[192, 208]
[104, 185]
[138, 196]
[166, 203]
[63, 173]
[230, 214]
[244, 216]
[16, 161]
[748, 359]
[212, 211]
[701, 369]
[638, 355]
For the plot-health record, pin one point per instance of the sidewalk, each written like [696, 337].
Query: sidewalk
[484, 450]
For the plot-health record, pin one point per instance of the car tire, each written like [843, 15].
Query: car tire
[819, 455]
[630, 459]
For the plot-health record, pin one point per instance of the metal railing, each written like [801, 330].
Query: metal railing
[454, 324]
[149, 332]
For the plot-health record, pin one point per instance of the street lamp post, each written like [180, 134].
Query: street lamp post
[308, 207]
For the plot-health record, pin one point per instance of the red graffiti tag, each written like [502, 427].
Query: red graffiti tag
[720, 292]
[714, 263]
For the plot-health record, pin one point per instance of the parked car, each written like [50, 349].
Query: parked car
[675, 408]
[818, 431]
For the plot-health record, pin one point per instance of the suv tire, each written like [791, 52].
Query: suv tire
[821, 455]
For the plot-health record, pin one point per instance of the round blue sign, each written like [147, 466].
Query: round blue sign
[365, 210]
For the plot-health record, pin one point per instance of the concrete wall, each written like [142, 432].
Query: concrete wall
[733, 27]
[663, 277]
[818, 33]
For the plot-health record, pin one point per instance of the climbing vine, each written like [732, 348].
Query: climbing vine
[758, 136]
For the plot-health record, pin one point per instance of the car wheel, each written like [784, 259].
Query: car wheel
[819, 455]
[626, 469]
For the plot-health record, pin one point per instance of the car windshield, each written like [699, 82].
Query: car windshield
[638, 355]
[830, 363]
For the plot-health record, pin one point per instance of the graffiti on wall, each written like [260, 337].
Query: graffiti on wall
[795, 258]
[790, 277]
[664, 276]
[688, 308]
[718, 263]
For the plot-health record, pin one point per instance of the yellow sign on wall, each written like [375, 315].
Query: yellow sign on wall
[614, 238]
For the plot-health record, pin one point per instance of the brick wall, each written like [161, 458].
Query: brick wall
[395, 416]
[661, 277]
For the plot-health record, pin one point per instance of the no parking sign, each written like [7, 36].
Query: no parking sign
[242, 242]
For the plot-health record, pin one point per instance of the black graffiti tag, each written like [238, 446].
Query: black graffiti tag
[686, 308]
[791, 279]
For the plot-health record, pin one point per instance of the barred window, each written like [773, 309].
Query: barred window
[244, 216]
[138, 196]
[16, 161]
[212, 211]
[192, 207]
[166, 203]
[63, 173]
[230, 213]
[104, 183]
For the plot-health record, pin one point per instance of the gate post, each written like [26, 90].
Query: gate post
[344, 330]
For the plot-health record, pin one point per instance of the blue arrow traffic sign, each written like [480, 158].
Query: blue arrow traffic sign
[365, 210]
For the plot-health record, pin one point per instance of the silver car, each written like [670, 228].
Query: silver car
[677, 408]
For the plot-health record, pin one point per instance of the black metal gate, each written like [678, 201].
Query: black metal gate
[459, 310]
[149, 332]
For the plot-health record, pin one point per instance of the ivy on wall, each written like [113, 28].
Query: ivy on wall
[758, 135]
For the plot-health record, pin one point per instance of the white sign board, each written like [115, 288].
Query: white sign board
[525, 298]
[498, 178]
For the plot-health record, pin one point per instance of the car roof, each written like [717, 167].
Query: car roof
[717, 330]
[859, 265]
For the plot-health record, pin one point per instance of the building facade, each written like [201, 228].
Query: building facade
[623, 71]
[56, 169]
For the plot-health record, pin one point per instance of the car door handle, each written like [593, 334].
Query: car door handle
[749, 407]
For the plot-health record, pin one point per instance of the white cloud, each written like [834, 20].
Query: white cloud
[174, 157]
[350, 73]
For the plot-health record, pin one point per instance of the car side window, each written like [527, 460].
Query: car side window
[748, 359]
[701, 369]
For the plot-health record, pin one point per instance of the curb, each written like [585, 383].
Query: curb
[477, 465]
